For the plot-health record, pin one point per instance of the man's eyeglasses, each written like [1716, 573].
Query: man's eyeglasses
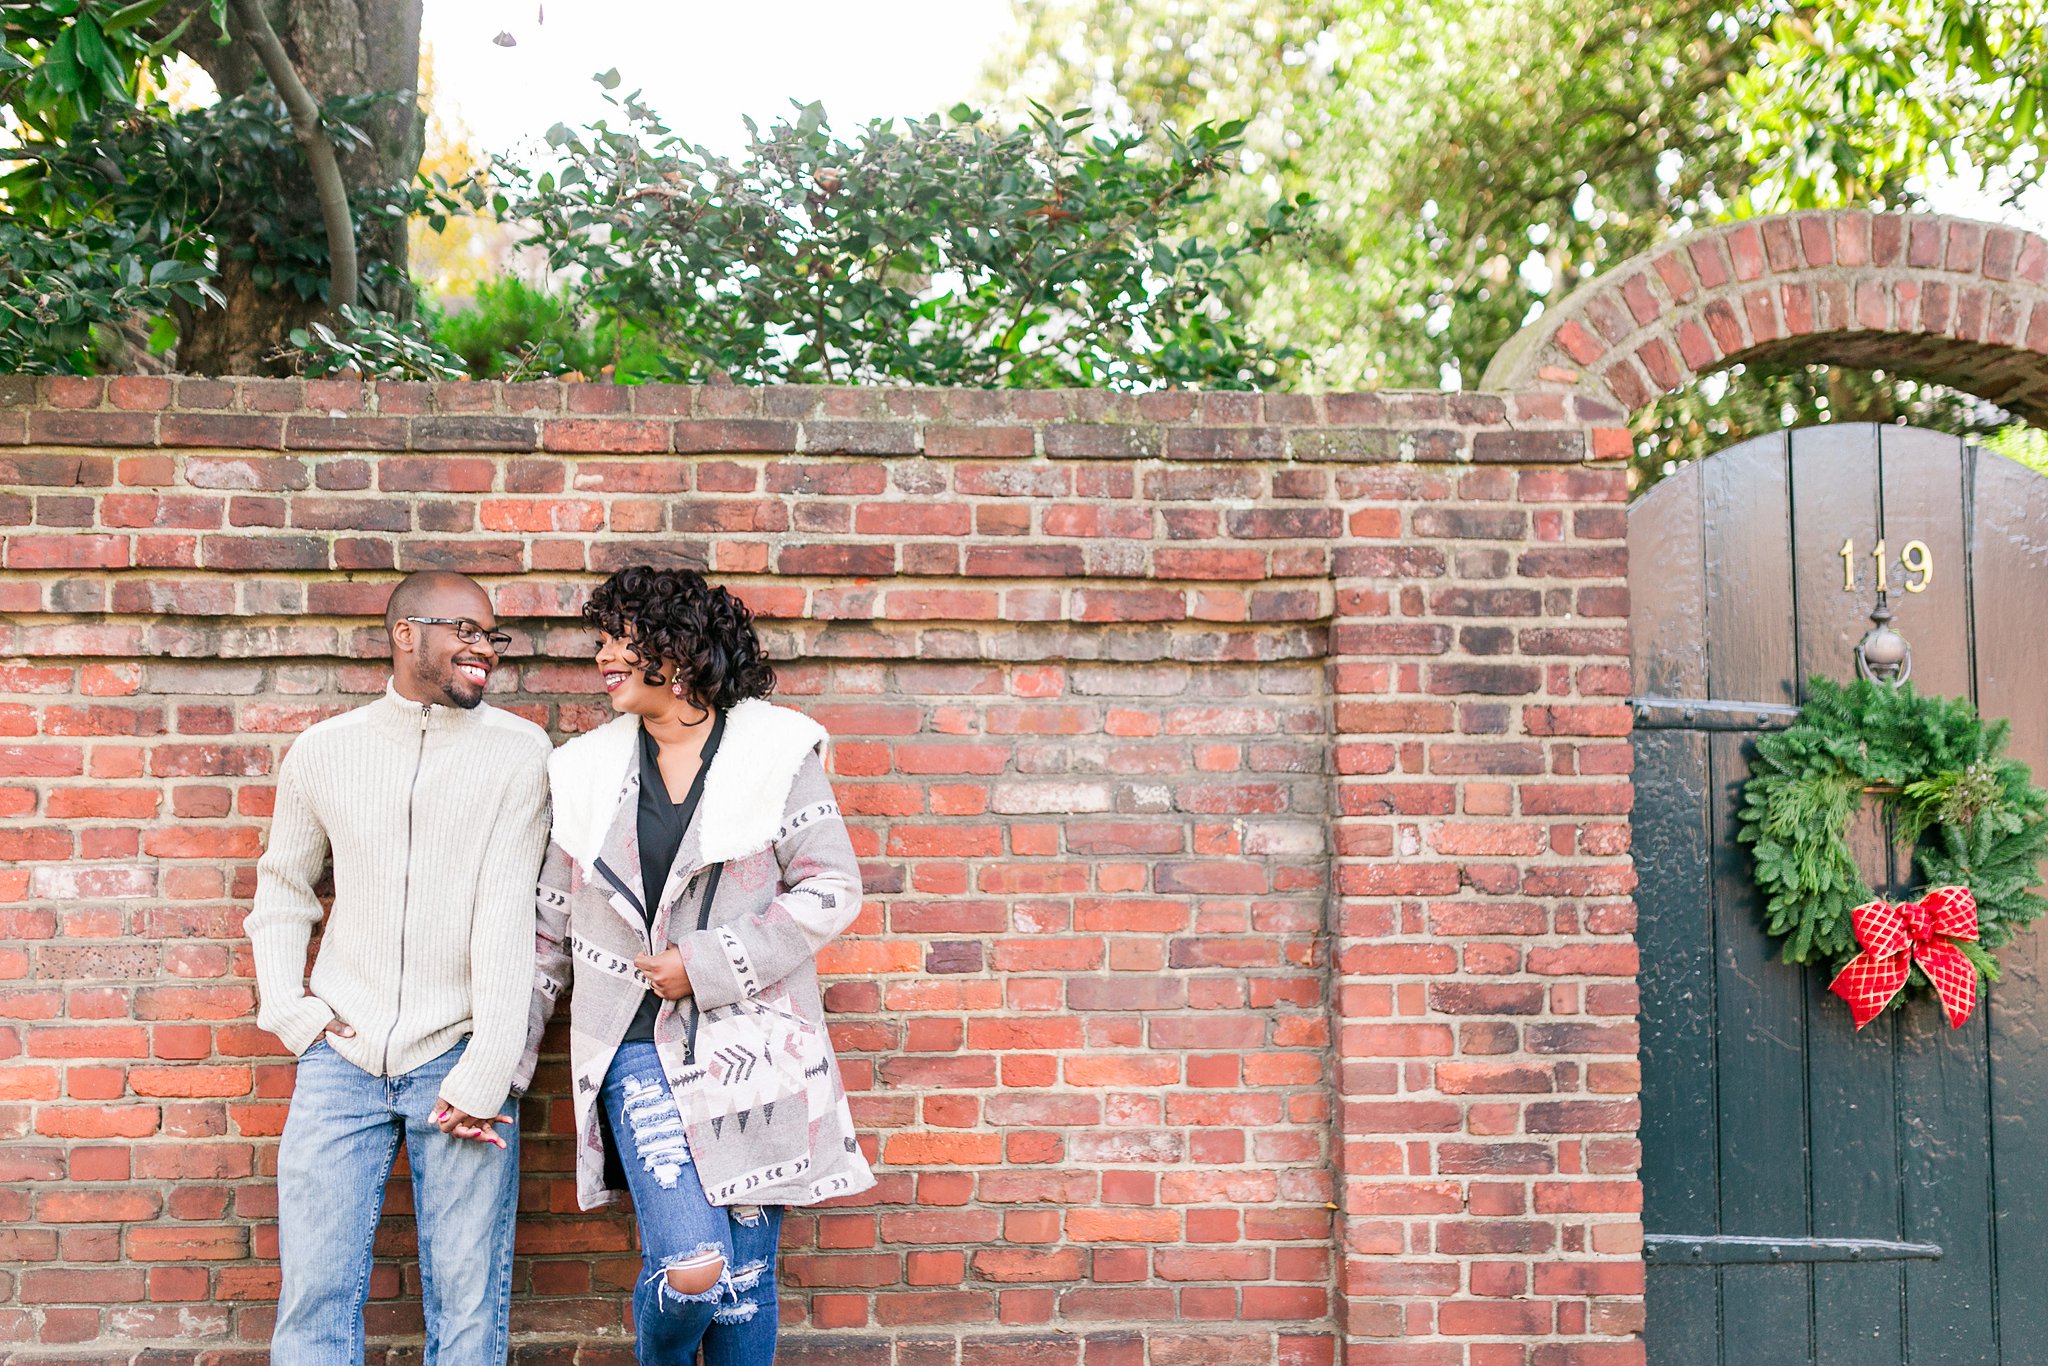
[468, 632]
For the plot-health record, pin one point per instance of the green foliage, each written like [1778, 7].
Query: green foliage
[1371, 195]
[1472, 158]
[374, 345]
[511, 330]
[134, 211]
[1749, 400]
[1974, 815]
[118, 211]
[2028, 445]
[93, 230]
[935, 251]
[65, 60]
[1849, 102]
[85, 241]
[55, 291]
[1476, 160]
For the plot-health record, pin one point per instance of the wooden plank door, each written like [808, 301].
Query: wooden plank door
[1815, 1194]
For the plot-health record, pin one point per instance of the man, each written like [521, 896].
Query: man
[434, 806]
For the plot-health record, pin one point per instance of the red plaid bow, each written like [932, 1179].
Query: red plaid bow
[1893, 937]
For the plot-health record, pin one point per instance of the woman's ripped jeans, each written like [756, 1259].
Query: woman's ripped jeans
[707, 1273]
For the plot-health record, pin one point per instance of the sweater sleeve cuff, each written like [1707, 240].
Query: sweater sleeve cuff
[470, 1091]
[714, 961]
[297, 1023]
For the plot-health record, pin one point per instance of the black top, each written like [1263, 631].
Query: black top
[662, 823]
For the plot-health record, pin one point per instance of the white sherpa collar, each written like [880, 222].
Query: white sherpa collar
[748, 785]
[744, 793]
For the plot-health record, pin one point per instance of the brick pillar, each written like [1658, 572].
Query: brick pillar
[1484, 974]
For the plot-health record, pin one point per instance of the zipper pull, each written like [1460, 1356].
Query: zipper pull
[426, 714]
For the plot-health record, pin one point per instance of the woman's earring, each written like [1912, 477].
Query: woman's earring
[677, 687]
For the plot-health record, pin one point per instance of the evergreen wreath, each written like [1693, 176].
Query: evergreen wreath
[1973, 816]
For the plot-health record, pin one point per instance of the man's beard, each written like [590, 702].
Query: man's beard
[458, 691]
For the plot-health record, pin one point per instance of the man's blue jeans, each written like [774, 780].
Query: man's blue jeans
[735, 1320]
[340, 1139]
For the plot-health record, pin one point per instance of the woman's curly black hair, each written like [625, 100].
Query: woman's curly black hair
[668, 615]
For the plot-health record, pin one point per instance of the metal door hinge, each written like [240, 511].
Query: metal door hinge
[1701, 713]
[1680, 1249]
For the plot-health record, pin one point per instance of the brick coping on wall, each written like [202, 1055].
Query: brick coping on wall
[1059, 424]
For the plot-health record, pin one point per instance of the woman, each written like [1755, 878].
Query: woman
[697, 864]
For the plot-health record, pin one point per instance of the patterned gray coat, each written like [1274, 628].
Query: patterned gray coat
[747, 1055]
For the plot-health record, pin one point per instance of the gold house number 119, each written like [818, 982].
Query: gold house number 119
[1916, 558]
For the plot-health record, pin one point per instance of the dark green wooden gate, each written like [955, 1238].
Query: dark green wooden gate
[1812, 1194]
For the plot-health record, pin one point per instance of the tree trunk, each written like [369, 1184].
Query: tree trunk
[339, 47]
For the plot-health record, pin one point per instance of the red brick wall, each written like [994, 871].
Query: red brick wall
[1241, 783]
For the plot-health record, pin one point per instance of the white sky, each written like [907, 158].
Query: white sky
[704, 64]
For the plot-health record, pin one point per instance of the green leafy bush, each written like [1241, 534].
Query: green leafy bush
[934, 251]
[374, 345]
[511, 330]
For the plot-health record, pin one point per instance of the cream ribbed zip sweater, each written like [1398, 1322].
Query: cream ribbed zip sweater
[437, 820]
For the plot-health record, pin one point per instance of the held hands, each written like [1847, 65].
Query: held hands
[665, 971]
[460, 1125]
[451, 1120]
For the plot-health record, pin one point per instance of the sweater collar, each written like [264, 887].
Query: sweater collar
[395, 709]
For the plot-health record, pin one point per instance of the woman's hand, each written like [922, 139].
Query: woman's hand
[459, 1125]
[665, 971]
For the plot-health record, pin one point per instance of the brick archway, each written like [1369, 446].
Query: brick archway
[1946, 299]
